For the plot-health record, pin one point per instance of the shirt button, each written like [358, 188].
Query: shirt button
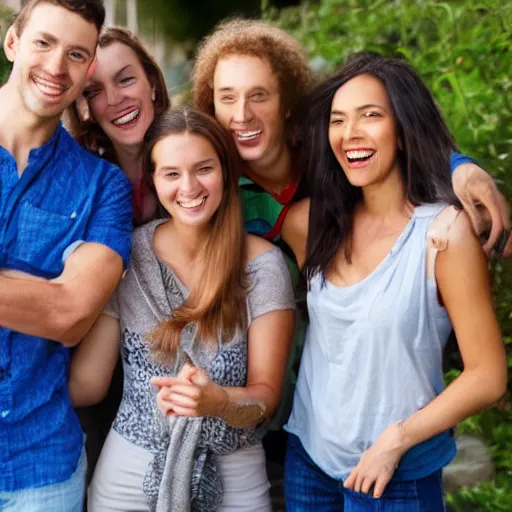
[5, 413]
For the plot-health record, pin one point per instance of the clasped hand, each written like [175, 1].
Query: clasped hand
[378, 464]
[191, 393]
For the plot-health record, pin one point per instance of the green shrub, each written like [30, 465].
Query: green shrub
[6, 16]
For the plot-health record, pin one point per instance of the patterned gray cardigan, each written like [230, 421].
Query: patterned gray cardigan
[147, 294]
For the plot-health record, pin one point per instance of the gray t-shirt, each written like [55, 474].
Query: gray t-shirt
[146, 295]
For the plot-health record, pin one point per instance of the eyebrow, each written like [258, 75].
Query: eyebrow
[358, 109]
[205, 162]
[197, 164]
[52, 39]
[229, 89]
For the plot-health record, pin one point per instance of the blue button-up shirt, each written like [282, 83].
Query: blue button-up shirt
[64, 196]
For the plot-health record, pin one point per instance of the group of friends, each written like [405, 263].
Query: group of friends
[275, 218]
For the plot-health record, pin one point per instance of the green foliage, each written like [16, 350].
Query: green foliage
[463, 51]
[6, 17]
[493, 496]
[185, 20]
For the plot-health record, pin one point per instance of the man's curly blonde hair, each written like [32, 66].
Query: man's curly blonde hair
[255, 38]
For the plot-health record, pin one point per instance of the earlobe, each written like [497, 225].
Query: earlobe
[11, 44]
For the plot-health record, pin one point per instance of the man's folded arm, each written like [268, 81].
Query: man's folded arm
[65, 308]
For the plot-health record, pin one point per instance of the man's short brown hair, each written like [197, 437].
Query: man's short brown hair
[259, 39]
[92, 11]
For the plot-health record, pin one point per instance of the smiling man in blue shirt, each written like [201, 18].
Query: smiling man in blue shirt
[65, 235]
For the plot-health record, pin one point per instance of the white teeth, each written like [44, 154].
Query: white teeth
[127, 117]
[193, 203]
[360, 154]
[248, 135]
[49, 88]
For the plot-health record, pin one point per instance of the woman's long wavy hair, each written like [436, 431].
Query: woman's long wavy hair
[424, 157]
[85, 129]
[217, 304]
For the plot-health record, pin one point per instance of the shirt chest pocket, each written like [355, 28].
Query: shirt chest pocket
[42, 237]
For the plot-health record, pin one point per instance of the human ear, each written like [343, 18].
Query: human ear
[11, 44]
[92, 68]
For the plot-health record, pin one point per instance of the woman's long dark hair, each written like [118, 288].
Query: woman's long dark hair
[424, 159]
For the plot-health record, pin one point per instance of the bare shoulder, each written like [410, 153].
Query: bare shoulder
[295, 229]
[463, 254]
[295, 226]
[461, 234]
[256, 246]
[299, 212]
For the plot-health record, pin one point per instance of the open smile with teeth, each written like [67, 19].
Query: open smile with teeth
[359, 155]
[49, 88]
[193, 203]
[248, 135]
[127, 118]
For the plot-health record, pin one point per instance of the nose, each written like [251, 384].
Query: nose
[352, 129]
[56, 64]
[188, 183]
[242, 112]
[114, 95]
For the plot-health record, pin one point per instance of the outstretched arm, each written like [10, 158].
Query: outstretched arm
[62, 309]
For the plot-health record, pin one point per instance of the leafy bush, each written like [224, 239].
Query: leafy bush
[463, 51]
[6, 17]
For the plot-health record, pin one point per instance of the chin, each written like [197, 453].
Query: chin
[251, 154]
[129, 139]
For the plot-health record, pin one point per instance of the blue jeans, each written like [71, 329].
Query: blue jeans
[65, 496]
[309, 489]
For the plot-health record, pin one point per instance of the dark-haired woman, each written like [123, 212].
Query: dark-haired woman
[210, 311]
[391, 267]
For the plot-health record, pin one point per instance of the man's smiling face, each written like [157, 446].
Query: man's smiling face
[51, 56]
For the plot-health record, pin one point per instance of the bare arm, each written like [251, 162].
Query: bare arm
[62, 309]
[463, 282]
[94, 361]
[476, 189]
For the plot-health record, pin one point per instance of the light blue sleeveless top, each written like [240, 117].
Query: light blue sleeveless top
[373, 357]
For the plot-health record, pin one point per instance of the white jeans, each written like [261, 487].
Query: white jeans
[119, 476]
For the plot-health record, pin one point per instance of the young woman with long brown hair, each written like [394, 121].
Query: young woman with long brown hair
[208, 309]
